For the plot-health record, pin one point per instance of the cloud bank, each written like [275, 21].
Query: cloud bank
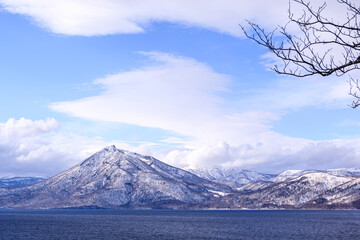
[40, 152]
[21, 148]
[265, 157]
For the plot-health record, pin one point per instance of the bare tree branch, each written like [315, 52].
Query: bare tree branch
[323, 47]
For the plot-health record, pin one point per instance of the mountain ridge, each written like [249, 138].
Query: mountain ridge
[234, 177]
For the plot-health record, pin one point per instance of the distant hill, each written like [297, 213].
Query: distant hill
[13, 182]
[340, 172]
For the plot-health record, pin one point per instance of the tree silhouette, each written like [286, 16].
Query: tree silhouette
[322, 46]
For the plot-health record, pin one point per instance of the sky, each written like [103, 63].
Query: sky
[173, 79]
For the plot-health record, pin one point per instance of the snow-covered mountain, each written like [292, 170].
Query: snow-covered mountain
[113, 178]
[237, 178]
[310, 190]
[340, 172]
[342, 196]
[290, 174]
[13, 182]
[234, 177]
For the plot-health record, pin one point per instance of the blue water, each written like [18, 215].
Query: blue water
[176, 224]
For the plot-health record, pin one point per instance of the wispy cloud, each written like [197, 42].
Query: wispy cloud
[176, 94]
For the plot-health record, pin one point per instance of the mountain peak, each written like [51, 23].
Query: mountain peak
[111, 148]
[99, 157]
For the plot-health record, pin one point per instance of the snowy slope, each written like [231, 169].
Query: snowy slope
[290, 174]
[340, 172]
[345, 195]
[234, 177]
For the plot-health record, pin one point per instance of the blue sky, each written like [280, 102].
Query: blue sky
[180, 83]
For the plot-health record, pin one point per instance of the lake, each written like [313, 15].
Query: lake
[179, 224]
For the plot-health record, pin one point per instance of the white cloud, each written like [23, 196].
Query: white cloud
[174, 95]
[26, 128]
[91, 17]
[20, 144]
[177, 94]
